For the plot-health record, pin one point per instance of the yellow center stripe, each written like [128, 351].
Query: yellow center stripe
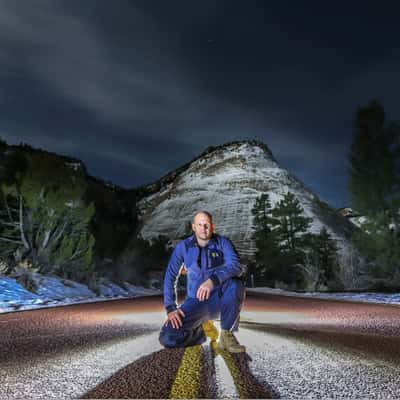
[233, 369]
[187, 381]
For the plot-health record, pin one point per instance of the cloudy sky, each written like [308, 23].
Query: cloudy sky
[137, 88]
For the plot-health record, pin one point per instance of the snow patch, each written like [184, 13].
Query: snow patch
[53, 291]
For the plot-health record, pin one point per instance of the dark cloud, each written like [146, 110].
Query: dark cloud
[136, 88]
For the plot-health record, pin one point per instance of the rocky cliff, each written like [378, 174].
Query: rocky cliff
[226, 180]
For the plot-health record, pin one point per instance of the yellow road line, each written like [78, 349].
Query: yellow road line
[233, 369]
[187, 381]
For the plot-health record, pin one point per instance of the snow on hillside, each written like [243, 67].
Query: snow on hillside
[53, 291]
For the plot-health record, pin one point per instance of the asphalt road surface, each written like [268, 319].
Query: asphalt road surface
[296, 348]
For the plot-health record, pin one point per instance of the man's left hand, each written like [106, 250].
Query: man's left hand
[204, 291]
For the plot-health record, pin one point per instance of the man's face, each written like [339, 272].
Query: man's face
[203, 227]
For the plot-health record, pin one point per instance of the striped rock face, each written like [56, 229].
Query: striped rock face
[226, 181]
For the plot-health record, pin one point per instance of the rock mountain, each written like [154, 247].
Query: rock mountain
[226, 180]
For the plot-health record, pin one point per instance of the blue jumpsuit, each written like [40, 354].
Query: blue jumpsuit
[218, 261]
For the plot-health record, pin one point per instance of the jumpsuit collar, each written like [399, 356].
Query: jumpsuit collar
[193, 240]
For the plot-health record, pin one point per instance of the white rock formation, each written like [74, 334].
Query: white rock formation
[226, 180]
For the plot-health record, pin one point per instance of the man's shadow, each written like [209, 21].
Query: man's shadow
[149, 377]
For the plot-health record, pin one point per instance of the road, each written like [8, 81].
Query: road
[296, 348]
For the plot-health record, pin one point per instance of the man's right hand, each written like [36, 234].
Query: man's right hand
[175, 317]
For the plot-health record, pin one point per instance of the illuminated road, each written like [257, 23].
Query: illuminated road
[295, 348]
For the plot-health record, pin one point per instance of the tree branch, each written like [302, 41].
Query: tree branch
[7, 207]
[10, 240]
[21, 223]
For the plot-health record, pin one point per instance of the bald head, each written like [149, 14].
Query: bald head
[203, 227]
[206, 213]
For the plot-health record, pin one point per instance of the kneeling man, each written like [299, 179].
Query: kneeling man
[214, 288]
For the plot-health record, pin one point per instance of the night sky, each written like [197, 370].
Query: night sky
[137, 88]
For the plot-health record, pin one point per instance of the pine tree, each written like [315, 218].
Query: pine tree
[267, 254]
[324, 267]
[280, 237]
[3, 145]
[372, 161]
[375, 190]
[261, 212]
[292, 223]
[290, 227]
[380, 243]
[327, 252]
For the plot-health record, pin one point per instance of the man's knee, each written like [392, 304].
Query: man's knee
[167, 337]
[171, 337]
[234, 290]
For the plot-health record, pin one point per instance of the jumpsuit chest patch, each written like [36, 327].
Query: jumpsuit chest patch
[216, 258]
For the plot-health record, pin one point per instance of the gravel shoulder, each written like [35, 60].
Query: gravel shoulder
[297, 368]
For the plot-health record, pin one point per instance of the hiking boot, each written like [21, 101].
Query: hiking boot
[228, 341]
[211, 330]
